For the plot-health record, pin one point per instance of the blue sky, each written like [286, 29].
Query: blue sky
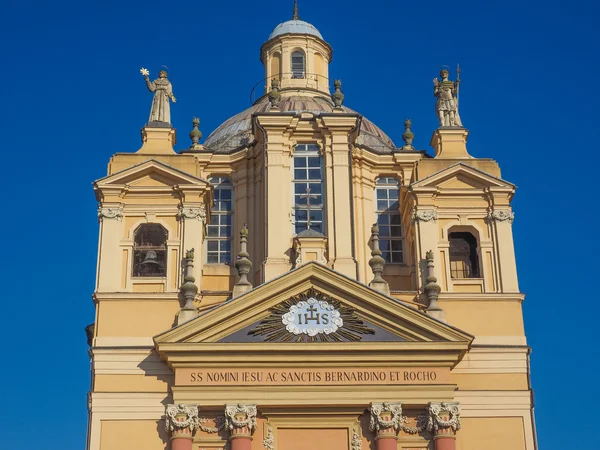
[73, 96]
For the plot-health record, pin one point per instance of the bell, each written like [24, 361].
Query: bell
[151, 258]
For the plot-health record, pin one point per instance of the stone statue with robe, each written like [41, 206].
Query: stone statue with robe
[163, 92]
[446, 106]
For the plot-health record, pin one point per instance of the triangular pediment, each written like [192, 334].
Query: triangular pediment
[387, 318]
[462, 176]
[150, 173]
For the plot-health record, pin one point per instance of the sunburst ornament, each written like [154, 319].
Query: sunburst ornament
[144, 71]
[311, 317]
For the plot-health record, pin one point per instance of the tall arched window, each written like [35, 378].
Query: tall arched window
[298, 64]
[464, 262]
[218, 239]
[308, 174]
[150, 251]
[388, 219]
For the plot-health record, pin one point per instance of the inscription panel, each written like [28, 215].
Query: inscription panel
[299, 376]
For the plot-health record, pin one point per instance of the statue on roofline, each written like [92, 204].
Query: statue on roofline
[163, 91]
[446, 105]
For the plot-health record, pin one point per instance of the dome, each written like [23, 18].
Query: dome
[295, 27]
[236, 132]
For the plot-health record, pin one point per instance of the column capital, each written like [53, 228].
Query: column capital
[444, 418]
[501, 215]
[385, 416]
[110, 213]
[196, 212]
[182, 420]
[425, 215]
[240, 418]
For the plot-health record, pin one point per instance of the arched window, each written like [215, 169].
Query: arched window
[150, 251]
[308, 174]
[298, 64]
[218, 239]
[387, 216]
[464, 262]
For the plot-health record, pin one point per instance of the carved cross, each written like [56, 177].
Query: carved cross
[308, 196]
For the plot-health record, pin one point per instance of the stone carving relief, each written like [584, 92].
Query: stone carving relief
[234, 412]
[198, 213]
[312, 317]
[426, 215]
[110, 213]
[376, 422]
[269, 440]
[452, 410]
[189, 411]
[356, 437]
[219, 424]
[502, 215]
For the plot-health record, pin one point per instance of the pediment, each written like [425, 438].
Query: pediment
[369, 316]
[462, 176]
[150, 173]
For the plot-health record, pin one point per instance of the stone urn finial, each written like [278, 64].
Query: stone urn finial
[243, 264]
[377, 263]
[432, 290]
[274, 95]
[408, 135]
[195, 134]
[337, 96]
[188, 289]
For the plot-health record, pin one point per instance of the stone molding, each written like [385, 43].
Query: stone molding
[191, 421]
[110, 213]
[425, 215]
[198, 213]
[451, 416]
[394, 410]
[233, 413]
[502, 215]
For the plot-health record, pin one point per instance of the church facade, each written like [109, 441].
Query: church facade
[299, 281]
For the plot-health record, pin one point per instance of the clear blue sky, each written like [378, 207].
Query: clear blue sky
[73, 96]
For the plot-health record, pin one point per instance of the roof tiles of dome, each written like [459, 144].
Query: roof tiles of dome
[295, 27]
[236, 132]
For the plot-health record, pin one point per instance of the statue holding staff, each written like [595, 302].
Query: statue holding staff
[163, 91]
[446, 105]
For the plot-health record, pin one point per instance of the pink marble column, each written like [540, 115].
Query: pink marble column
[182, 422]
[240, 420]
[385, 422]
[444, 421]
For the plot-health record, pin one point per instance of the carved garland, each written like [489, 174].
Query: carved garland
[248, 410]
[420, 424]
[219, 424]
[376, 422]
[274, 330]
[193, 213]
[269, 440]
[426, 215]
[191, 421]
[435, 421]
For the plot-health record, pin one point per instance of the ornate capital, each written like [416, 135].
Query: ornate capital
[443, 417]
[240, 419]
[198, 213]
[426, 215]
[109, 213]
[502, 215]
[182, 420]
[385, 417]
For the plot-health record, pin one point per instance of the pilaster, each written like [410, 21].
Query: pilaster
[182, 423]
[193, 224]
[240, 420]
[385, 421]
[501, 222]
[109, 252]
[444, 422]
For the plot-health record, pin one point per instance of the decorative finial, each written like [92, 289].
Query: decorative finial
[432, 290]
[195, 134]
[338, 96]
[189, 255]
[274, 95]
[408, 135]
[188, 290]
[243, 265]
[377, 263]
[295, 16]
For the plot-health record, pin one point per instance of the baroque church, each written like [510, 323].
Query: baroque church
[299, 281]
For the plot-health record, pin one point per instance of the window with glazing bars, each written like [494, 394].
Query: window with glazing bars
[308, 173]
[298, 66]
[219, 237]
[388, 219]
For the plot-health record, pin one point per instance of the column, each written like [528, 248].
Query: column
[385, 420]
[240, 420]
[182, 423]
[444, 422]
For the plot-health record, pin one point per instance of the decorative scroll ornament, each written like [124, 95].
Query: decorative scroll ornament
[193, 213]
[269, 440]
[283, 324]
[420, 424]
[191, 421]
[234, 412]
[426, 215]
[312, 317]
[110, 213]
[377, 422]
[219, 424]
[502, 215]
[356, 438]
[447, 409]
